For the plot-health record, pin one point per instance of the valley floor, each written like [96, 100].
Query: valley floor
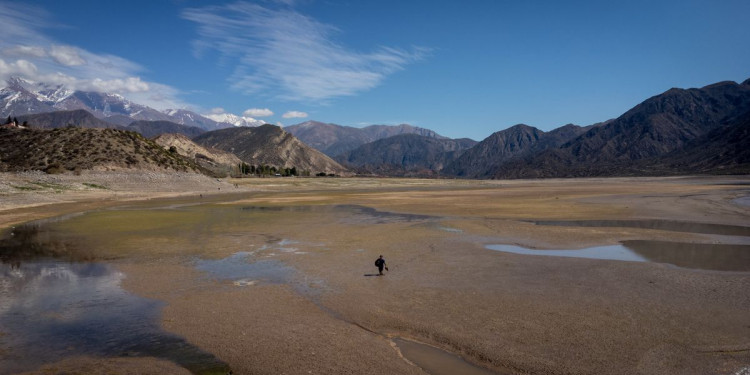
[504, 312]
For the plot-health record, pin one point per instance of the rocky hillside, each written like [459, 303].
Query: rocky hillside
[76, 149]
[151, 129]
[649, 139]
[269, 145]
[405, 155]
[217, 161]
[334, 140]
[505, 145]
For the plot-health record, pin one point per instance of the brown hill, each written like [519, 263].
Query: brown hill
[74, 149]
[269, 145]
[215, 160]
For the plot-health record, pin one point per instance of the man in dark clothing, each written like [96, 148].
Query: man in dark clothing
[380, 263]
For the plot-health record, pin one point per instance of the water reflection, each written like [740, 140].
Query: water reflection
[667, 225]
[715, 257]
[611, 252]
[50, 310]
[56, 303]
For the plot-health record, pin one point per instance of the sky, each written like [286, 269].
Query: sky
[461, 68]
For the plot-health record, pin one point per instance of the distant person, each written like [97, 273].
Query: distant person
[380, 263]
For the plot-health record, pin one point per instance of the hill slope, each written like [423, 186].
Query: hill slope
[217, 161]
[405, 154]
[269, 145]
[71, 149]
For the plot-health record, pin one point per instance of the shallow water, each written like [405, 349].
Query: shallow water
[51, 309]
[714, 257]
[354, 214]
[242, 266]
[435, 361]
[667, 225]
[742, 201]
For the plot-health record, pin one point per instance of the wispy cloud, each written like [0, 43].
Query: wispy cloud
[27, 51]
[284, 53]
[258, 112]
[294, 114]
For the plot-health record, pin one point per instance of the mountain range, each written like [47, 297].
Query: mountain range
[680, 131]
[22, 97]
[334, 140]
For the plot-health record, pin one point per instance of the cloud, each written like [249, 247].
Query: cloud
[291, 55]
[19, 67]
[294, 114]
[217, 111]
[66, 55]
[26, 51]
[258, 112]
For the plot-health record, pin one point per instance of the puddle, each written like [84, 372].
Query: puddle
[244, 269]
[50, 310]
[435, 361]
[667, 225]
[611, 252]
[355, 214]
[742, 201]
[713, 257]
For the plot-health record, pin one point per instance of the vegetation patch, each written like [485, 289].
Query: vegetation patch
[25, 188]
[95, 186]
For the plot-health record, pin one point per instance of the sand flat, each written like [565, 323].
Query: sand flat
[508, 313]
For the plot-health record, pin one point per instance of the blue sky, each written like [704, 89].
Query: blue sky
[463, 69]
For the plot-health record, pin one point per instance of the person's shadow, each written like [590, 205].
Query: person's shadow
[372, 274]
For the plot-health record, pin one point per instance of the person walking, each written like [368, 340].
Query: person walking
[380, 263]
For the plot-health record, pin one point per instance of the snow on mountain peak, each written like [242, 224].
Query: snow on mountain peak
[235, 120]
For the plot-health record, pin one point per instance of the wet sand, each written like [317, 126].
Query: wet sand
[508, 313]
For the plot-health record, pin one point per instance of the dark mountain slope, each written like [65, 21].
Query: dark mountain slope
[660, 125]
[505, 145]
[724, 150]
[269, 145]
[405, 154]
[59, 119]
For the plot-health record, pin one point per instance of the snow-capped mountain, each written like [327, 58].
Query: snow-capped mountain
[16, 99]
[22, 97]
[189, 118]
[235, 120]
